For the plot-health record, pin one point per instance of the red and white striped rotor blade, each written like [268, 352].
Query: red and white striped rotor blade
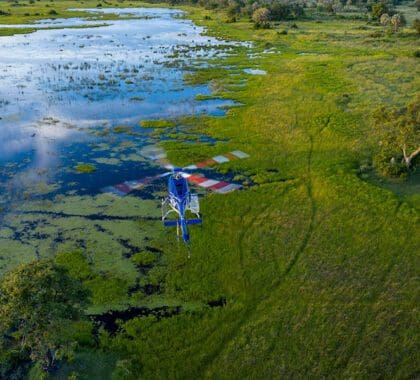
[234, 155]
[126, 187]
[221, 187]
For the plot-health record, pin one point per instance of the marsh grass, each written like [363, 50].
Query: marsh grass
[313, 257]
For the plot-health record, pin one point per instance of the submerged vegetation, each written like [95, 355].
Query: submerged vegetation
[309, 272]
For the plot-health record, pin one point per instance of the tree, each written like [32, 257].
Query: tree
[385, 19]
[397, 21]
[233, 9]
[280, 10]
[397, 133]
[378, 9]
[261, 17]
[38, 302]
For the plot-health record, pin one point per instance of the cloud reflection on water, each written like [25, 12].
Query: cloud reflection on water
[118, 73]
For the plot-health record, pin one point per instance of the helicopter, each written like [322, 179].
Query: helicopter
[180, 200]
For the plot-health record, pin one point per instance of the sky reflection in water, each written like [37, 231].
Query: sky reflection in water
[55, 83]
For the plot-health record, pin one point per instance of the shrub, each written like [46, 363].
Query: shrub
[261, 17]
[144, 258]
[53, 12]
[397, 21]
[385, 19]
[378, 9]
[285, 11]
[389, 164]
[107, 288]
[233, 9]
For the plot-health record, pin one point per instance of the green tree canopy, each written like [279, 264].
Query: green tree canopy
[38, 302]
[397, 134]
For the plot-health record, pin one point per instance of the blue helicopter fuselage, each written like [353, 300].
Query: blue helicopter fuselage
[178, 198]
[179, 201]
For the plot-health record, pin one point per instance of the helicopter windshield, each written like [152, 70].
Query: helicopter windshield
[180, 188]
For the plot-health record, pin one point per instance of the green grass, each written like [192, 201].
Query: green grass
[318, 264]
[25, 12]
[11, 31]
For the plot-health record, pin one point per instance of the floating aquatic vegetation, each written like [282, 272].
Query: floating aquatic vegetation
[157, 123]
[87, 122]
[85, 168]
[135, 157]
[122, 129]
[108, 161]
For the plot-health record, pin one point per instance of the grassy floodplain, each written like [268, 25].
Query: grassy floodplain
[316, 265]
[27, 12]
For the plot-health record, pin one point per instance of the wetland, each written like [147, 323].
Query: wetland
[309, 271]
[71, 103]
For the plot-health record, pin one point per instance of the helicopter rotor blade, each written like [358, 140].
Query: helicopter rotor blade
[158, 155]
[220, 187]
[234, 155]
[126, 187]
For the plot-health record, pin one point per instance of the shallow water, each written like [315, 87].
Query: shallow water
[62, 91]
[53, 83]
[255, 71]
